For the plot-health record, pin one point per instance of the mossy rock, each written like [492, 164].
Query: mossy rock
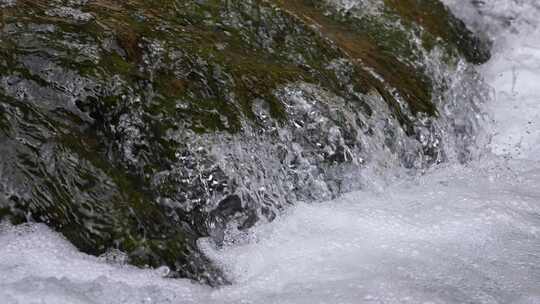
[111, 112]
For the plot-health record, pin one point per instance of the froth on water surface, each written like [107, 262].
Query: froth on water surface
[460, 234]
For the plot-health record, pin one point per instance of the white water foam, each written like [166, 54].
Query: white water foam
[458, 234]
[455, 235]
[513, 72]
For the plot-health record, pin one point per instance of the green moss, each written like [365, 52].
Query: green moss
[375, 47]
[116, 65]
[138, 223]
[433, 16]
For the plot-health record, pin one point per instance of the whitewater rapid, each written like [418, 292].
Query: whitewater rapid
[457, 234]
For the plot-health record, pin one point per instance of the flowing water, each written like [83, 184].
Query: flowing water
[455, 234]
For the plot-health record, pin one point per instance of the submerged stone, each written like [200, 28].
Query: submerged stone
[141, 126]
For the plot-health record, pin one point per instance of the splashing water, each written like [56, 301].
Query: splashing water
[458, 234]
[512, 72]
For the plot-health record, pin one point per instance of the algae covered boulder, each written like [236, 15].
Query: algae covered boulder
[143, 126]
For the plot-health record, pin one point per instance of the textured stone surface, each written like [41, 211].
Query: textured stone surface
[144, 125]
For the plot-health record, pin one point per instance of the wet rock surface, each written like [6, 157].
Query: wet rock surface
[141, 126]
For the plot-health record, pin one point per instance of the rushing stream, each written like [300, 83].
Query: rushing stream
[456, 234]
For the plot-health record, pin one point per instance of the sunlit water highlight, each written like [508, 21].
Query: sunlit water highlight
[458, 234]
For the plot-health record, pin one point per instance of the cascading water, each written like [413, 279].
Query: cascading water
[459, 233]
[334, 146]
